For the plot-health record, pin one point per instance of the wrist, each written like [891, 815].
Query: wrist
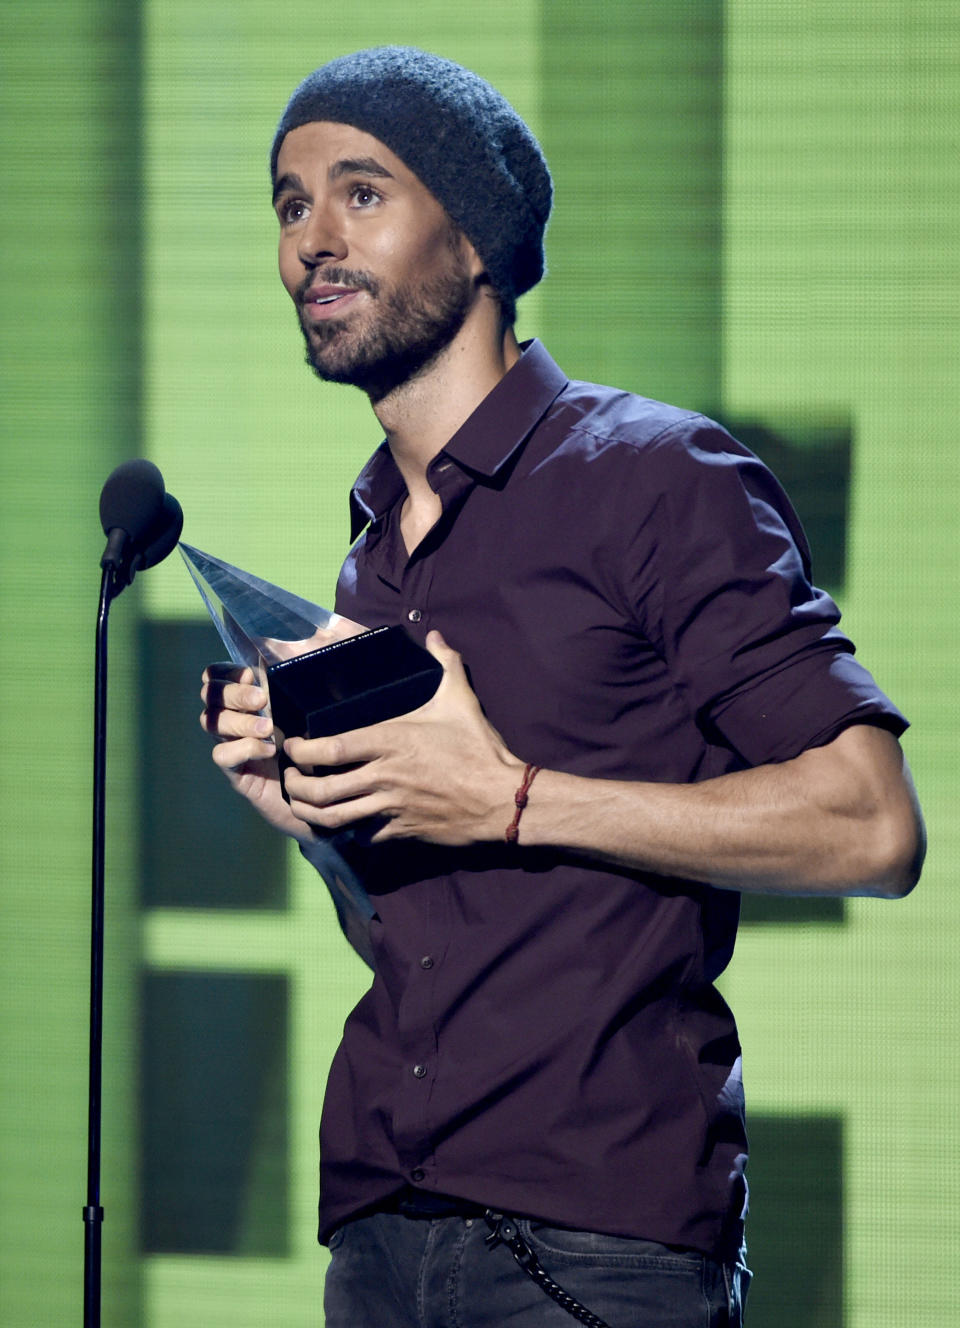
[520, 799]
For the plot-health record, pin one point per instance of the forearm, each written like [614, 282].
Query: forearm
[840, 819]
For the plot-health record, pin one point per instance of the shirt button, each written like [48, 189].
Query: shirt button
[426, 961]
[418, 1174]
[414, 615]
[419, 1071]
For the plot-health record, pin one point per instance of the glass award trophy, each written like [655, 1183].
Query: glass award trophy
[324, 674]
[258, 622]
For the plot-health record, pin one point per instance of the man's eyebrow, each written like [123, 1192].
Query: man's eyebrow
[288, 184]
[291, 183]
[359, 166]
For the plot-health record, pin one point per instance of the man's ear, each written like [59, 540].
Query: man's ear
[476, 265]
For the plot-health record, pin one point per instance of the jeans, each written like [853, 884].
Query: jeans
[388, 1270]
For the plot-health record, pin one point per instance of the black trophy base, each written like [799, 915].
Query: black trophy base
[351, 684]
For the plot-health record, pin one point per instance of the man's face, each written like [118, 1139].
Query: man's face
[381, 278]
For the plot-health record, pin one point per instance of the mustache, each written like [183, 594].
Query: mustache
[338, 276]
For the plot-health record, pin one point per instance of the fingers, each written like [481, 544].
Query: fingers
[322, 790]
[232, 702]
[342, 749]
[438, 647]
[229, 724]
[231, 687]
[245, 749]
[226, 671]
[234, 753]
[330, 802]
[452, 662]
[226, 687]
[221, 695]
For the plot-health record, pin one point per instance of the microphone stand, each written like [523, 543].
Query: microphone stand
[142, 523]
[93, 1212]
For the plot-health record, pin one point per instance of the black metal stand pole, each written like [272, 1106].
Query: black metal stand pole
[93, 1213]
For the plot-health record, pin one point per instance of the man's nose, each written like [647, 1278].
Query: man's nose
[322, 238]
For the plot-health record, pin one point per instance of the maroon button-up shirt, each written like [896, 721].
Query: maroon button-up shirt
[629, 589]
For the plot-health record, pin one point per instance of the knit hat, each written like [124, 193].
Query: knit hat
[457, 134]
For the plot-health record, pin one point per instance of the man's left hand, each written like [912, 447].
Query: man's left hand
[441, 774]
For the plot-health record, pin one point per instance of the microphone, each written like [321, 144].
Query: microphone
[162, 537]
[141, 521]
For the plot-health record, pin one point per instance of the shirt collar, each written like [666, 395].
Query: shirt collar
[482, 445]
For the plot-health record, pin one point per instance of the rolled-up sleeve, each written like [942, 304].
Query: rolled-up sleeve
[751, 642]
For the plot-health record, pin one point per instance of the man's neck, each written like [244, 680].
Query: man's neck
[420, 417]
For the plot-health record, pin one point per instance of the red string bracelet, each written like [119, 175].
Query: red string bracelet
[520, 798]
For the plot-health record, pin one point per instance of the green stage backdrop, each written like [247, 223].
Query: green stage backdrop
[757, 215]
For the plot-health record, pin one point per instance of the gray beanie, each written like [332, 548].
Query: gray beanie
[457, 134]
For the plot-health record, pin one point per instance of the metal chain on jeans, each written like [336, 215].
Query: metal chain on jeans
[503, 1230]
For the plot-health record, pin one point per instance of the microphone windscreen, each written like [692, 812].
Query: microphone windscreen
[132, 499]
[162, 538]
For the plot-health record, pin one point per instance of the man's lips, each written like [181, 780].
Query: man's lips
[321, 302]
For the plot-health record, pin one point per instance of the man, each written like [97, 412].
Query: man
[645, 709]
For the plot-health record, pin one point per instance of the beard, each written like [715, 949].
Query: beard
[408, 331]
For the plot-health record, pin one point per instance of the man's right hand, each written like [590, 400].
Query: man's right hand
[245, 749]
